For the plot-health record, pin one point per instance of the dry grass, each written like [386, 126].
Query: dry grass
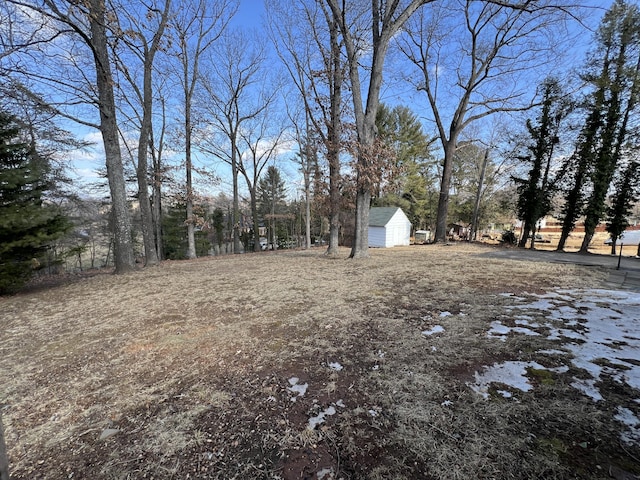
[188, 365]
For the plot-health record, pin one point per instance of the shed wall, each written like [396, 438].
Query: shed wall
[377, 236]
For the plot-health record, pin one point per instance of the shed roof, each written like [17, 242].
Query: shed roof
[380, 216]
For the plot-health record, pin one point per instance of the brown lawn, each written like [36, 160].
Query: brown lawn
[197, 369]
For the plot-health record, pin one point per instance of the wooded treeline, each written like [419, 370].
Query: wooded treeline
[220, 138]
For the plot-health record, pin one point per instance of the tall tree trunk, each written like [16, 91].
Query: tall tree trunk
[158, 174]
[573, 206]
[151, 253]
[445, 186]
[361, 240]
[256, 219]
[236, 199]
[123, 245]
[613, 138]
[148, 237]
[383, 27]
[366, 139]
[334, 131]
[476, 205]
[191, 236]
[307, 215]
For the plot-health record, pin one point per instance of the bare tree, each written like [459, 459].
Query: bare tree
[307, 159]
[308, 41]
[84, 26]
[142, 35]
[158, 178]
[197, 26]
[383, 21]
[261, 140]
[471, 58]
[236, 95]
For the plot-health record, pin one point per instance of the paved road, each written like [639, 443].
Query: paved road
[627, 277]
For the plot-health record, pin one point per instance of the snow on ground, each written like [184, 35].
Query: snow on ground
[433, 330]
[596, 331]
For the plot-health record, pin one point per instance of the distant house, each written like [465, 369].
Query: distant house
[388, 227]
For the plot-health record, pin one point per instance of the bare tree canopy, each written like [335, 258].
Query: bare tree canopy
[475, 59]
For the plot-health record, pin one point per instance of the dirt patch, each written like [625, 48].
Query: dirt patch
[292, 366]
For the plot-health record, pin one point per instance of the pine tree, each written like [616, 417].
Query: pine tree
[28, 224]
[410, 173]
[271, 200]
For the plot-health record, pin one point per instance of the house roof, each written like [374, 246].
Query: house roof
[380, 216]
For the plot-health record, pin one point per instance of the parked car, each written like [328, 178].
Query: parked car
[628, 237]
[541, 239]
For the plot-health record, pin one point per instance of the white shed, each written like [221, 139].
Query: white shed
[388, 227]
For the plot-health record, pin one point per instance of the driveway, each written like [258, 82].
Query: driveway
[626, 276]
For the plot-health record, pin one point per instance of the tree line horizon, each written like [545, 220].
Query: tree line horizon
[314, 78]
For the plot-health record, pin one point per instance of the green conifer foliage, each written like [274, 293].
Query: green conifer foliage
[28, 224]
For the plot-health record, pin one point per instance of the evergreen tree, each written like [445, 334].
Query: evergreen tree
[175, 240]
[535, 191]
[28, 224]
[271, 201]
[409, 173]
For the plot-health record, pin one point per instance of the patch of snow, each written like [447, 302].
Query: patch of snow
[335, 366]
[373, 413]
[299, 389]
[511, 295]
[447, 403]
[445, 314]
[340, 404]
[499, 330]
[513, 374]
[604, 326]
[505, 393]
[631, 421]
[325, 472]
[552, 352]
[599, 329]
[433, 330]
[526, 321]
[318, 419]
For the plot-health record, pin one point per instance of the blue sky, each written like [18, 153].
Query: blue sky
[250, 15]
